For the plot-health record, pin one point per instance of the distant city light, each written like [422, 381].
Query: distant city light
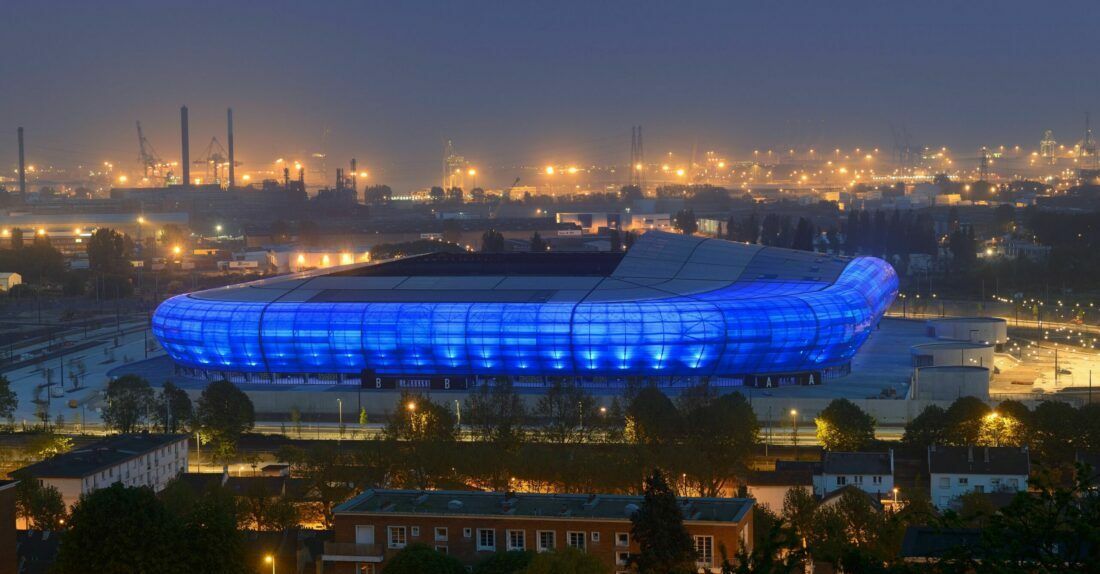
[549, 170]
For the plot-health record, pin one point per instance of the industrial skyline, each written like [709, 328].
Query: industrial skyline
[514, 85]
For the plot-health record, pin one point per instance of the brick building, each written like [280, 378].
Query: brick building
[470, 526]
[8, 564]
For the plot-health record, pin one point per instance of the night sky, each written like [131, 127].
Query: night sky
[537, 82]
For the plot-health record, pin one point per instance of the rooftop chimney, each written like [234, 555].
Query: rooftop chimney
[232, 176]
[354, 176]
[970, 453]
[22, 169]
[186, 147]
[986, 454]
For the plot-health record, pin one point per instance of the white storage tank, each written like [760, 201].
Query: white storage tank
[974, 329]
[950, 383]
[952, 354]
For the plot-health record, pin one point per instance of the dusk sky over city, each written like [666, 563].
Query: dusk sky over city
[525, 82]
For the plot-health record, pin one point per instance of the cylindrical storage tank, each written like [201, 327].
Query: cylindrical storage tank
[950, 383]
[974, 329]
[952, 354]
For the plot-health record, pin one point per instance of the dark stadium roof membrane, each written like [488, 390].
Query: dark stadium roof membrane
[480, 264]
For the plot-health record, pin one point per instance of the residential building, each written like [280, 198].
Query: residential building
[371, 527]
[770, 488]
[131, 459]
[9, 279]
[871, 472]
[958, 470]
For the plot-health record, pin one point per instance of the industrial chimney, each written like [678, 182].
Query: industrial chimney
[185, 143]
[22, 169]
[232, 177]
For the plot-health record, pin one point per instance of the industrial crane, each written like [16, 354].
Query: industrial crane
[151, 164]
[214, 158]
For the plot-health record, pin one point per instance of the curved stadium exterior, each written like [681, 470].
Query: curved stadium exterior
[673, 308]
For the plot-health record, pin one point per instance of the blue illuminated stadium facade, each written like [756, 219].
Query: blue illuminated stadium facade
[673, 308]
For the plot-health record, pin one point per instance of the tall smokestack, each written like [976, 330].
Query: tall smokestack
[22, 169]
[232, 177]
[186, 145]
[354, 177]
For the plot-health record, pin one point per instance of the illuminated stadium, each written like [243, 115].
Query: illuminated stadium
[673, 310]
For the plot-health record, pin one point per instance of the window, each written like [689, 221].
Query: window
[876, 480]
[440, 533]
[397, 537]
[858, 479]
[979, 488]
[704, 550]
[365, 568]
[546, 540]
[517, 540]
[415, 531]
[441, 548]
[841, 480]
[1014, 482]
[622, 539]
[945, 482]
[963, 481]
[486, 539]
[595, 537]
[576, 540]
[622, 558]
[995, 483]
[467, 533]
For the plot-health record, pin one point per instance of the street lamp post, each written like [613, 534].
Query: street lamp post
[794, 431]
[269, 559]
[895, 498]
[340, 411]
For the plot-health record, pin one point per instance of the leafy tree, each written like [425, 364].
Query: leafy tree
[538, 245]
[843, 426]
[803, 235]
[327, 474]
[719, 436]
[664, 545]
[776, 550]
[120, 529]
[685, 221]
[107, 252]
[1054, 431]
[799, 509]
[492, 241]
[565, 561]
[510, 562]
[926, 429]
[8, 401]
[129, 399]
[425, 432]
[173, 409]
[213, 542]
[652, 419]
[566, 408]
[223, 414]
[418, 558]
[42, 506]
[496, 414]
[965, 418]
[260, 509]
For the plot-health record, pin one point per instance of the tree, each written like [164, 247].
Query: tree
[8, 401]
[685, 221]
[537, 243]
[327, 475]
[565, 561]
[128, 399]
[803, 235]
[40, 505]
[107, 252]
[719, 436]
[664, 545]
[965, 418]
[843, 426]
[173, 409]
[510, 562]
[926, 429]
[492, 241]
[121, 529]
[425, 433]
[496, 413]
[652, 418]
[1054, 431]
[223, 414]
[564, 409]
[418, 558]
